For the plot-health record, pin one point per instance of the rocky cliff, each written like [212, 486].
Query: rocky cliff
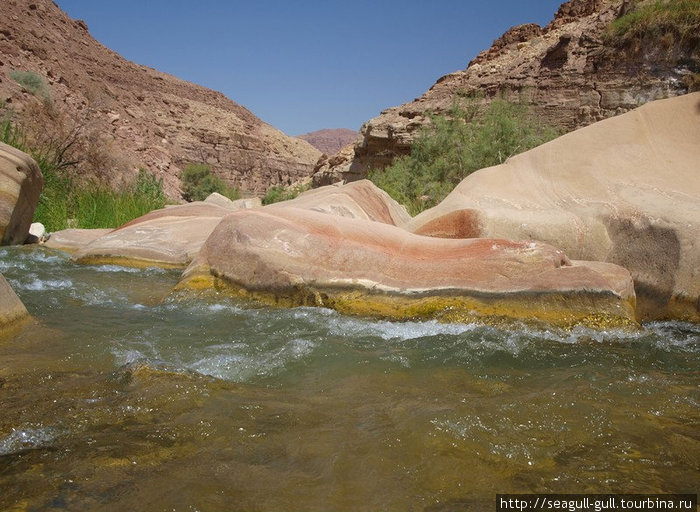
[330, 140]
[131, 115]
[571, 72]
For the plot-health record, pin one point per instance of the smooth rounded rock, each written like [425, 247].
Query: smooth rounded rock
[71, 240]
[169, 237]
[20, 185]
[357, 200]
[625, 190]
[295, 257]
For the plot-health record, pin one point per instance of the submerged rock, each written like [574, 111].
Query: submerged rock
[357, 200]
[625, 190]
[12, 311]
[169, 237]
[294, 257]
[20, 186]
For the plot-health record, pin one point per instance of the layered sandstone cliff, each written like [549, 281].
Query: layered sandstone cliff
[569, 72]
[139, 116]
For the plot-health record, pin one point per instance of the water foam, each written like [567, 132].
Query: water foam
[30, 438]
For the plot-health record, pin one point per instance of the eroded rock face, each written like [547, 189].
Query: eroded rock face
[625, 190]
[357, 200]
[142, 117]
[567, 72]
[295, 257]
[12, 311]
[169, 237]
[20, 186]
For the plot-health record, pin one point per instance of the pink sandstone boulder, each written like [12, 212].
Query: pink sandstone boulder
[625, 190]
[20, 186]
[169, 237]
[295, 257]
[358, 200]
[71, 240]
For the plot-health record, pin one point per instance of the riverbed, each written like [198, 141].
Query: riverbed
[121, 395]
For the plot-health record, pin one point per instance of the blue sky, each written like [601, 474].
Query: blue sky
[306, 65]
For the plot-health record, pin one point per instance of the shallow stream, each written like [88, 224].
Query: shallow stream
[122, 397]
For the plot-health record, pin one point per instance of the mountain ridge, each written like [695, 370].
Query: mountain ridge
[149, 118]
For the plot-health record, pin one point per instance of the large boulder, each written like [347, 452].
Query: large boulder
[20, 186]
[356, 200]
[625, 190]
[169, 237]
[12, 311]
[293, 257]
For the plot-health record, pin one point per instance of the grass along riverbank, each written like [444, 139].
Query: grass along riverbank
[70, 200]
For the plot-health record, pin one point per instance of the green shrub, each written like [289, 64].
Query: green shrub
[32, 82]
[469, 137]
[198, 182]
[656, 18]
[280, 193]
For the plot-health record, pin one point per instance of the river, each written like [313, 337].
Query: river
[121, 396]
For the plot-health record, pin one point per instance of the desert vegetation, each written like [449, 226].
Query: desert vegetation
[280, 193]
[468, 137]
[658, 19]
[198, 182]
[71, 198]
[32, 82]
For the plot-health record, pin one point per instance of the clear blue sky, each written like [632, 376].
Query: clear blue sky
[306, 65]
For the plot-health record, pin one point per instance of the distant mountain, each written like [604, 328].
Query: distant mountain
[329, 141]
[129, 116]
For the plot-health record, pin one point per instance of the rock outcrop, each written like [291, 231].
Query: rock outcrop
[569, 72]
[20, 186]
[167, 238]
[293, 257]
[625, 190]
[330, 141]
[133, 116]
[357, 200]
[12, 311]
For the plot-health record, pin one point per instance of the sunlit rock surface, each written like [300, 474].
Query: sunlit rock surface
[20, 186]
[357, 200]
[238, 204]
[71, 240]
[169, 237]
[293, 257]
[625, 190]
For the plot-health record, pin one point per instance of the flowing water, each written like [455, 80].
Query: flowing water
[122, 397]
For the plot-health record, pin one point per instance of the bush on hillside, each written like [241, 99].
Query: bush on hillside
[468, 137]
[198, 182]
[32, 82]
[280, 193]
[657, 19]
